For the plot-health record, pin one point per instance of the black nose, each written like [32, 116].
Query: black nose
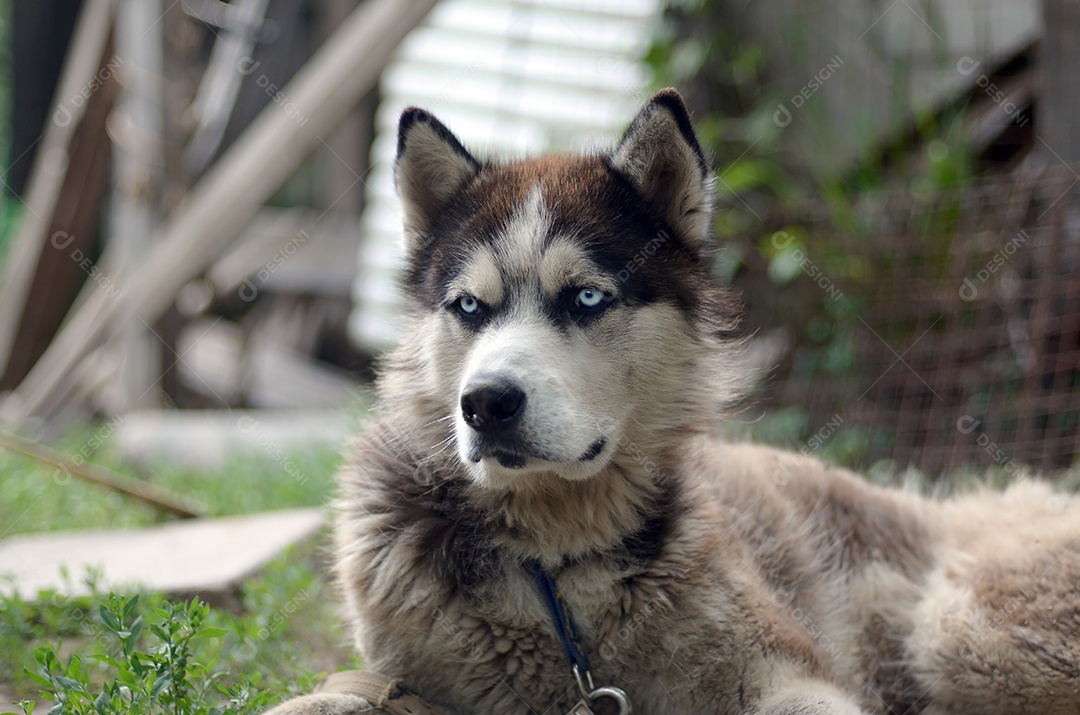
[492, 404]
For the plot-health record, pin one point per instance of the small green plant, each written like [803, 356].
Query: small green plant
[145, 654]
[151, 668]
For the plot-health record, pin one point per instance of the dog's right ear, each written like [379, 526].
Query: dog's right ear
[431, 166]
[660, 155]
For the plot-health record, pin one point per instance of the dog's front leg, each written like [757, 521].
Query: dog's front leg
[354, 691]
[326, 704]
[804, 696]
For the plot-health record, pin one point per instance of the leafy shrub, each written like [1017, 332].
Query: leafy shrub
[153, 667]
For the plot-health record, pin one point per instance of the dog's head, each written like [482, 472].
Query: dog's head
[564, 303]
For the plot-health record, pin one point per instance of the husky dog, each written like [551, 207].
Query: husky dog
[549, 420]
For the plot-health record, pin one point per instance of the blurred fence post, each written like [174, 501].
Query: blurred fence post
[136, 129]
[1058, 120]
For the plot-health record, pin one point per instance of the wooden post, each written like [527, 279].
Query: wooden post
[1058, 118]
[136, 125]
[50, 169]
[324, 91]
[342, 163]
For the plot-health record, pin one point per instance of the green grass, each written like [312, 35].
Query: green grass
[37, 498]
[286, 636]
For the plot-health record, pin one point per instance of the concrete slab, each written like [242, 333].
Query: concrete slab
[204, 439]
[205, 557]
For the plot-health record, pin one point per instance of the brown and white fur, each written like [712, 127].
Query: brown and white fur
[565, 360]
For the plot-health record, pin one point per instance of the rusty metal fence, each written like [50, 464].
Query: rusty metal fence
[966, 337]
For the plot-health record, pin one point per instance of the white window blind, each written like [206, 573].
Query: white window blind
[508, 78]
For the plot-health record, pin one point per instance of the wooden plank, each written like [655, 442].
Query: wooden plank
[51, 164]
[325, 90]
[149, 494]
[210, 558]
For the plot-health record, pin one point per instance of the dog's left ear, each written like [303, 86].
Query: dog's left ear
[431, 166]
[660, 155]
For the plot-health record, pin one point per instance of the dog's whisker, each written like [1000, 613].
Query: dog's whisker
[439, 420]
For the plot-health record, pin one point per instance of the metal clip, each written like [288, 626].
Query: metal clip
[592, 693]
[615, 694]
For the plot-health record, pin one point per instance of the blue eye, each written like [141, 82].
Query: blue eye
[590, 297]
[468, 305]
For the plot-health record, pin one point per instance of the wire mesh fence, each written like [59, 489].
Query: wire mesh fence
[963, 345]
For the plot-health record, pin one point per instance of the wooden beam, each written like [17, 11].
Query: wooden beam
[323, 92]
[216, 96]
[148, 494]
[64, 260]
[290, 251]
[50, 168]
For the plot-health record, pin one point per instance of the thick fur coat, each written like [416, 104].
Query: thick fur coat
[566, 357]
